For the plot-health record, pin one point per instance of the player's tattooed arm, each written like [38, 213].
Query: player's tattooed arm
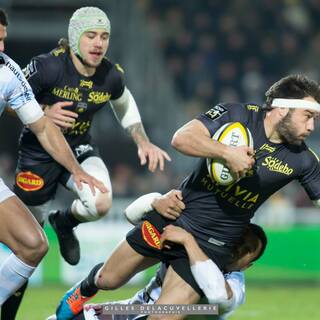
[137, 132]
[146, 149]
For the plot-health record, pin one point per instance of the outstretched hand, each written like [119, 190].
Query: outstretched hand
[80, 176]
[147, 151]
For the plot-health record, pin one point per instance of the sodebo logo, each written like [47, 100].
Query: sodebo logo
[276, 165]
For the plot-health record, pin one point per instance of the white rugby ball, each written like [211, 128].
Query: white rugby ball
[232, 134]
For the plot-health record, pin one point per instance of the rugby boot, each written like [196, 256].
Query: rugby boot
[68, 242]
[71, 304]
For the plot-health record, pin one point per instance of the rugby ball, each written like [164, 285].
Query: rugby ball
[232, 134]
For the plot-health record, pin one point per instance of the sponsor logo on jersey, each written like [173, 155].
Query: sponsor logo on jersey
[81, 107]
[68, 93]
[85, 83]
[78, 128]
[276, 165]
[268, 148]
[253, 107]
[216, 112]
[151, 235]
[98, 97]
[30, 69]
[19, 75]
[29, 181]
[240, 197]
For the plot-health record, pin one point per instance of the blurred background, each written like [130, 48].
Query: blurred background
[181, 58]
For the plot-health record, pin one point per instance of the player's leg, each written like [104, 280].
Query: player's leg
[117, 270]
[35, 185]
[87, 207]
[11, 306]
[115, 273]
[175, 291]
[24, 236]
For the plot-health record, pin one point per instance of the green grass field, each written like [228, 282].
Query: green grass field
[263, 303]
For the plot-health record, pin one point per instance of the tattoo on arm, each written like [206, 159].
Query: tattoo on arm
[137, 133]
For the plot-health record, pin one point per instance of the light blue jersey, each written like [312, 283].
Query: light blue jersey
[15, 91]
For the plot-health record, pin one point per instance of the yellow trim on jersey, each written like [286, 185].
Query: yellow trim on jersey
[314, 153]
[119, 68]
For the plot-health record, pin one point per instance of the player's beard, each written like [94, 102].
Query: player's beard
[90, 65]
[287, 131]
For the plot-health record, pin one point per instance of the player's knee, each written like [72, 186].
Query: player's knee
[107, 281]
[34, 248]
[103, 204]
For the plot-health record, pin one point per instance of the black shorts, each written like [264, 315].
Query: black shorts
[36, 184]
[145, 239]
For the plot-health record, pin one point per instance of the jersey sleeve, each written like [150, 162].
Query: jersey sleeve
[310, 177]
[117, 82]
[42, 72]
[17, 93]
[236, 282]
[223, 113]
[14, 87]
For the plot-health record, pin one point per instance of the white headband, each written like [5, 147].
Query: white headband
[295, 104]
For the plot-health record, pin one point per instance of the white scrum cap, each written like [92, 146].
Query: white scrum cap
[85, 19]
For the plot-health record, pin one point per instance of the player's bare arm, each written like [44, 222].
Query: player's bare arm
[169, 205]
[195, 254]
[127, 113]
[53, 141]
[194, 139]
[146, 149]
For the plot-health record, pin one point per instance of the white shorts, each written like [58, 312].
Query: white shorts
[5, 192]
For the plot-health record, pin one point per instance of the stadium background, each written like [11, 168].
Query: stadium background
[180, 58]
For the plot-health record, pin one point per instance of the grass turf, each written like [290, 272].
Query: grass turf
[263, 303]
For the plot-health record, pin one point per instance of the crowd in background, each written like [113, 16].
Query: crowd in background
[233, 50]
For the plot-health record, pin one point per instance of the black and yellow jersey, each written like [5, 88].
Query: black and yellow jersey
[53, 78]
[220, 212]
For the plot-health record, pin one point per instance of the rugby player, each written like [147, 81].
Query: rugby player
[227, 290]
[217, 215]
[72, 83]
[19, 230]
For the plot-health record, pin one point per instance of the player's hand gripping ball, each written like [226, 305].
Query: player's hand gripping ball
[232, 134]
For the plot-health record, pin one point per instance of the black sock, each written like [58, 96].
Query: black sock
[67, 220]
[10, 308]
[88, 287]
